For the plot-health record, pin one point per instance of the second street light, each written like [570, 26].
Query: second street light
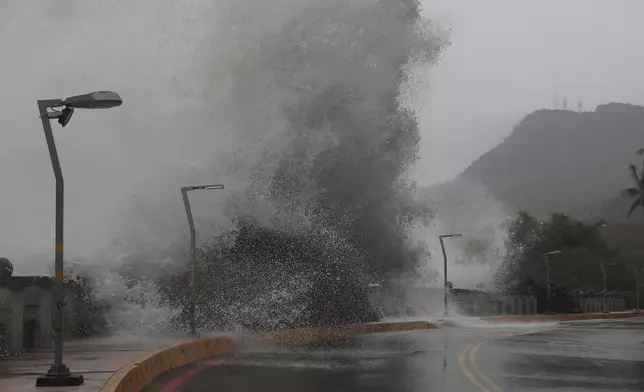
[59, 374]
[193, 258]
[603, 266]
[445, 281]
[546, 260]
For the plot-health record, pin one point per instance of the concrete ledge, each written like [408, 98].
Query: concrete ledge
[325, 334]
[562, 317]
[139, 373]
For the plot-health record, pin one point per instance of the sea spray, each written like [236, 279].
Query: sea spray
[297, 106]
[326, 147]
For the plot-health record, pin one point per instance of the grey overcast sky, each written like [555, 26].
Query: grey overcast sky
[507, 58]
[510, 57]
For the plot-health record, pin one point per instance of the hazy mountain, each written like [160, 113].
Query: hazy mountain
[562, 161]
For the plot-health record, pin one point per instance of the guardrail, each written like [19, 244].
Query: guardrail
[563, 317]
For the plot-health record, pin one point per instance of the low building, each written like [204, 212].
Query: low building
[26, 308]
[25, 313]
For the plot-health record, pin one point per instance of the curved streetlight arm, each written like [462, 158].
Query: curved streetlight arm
[554, 252]
[50, 103]
[202, 187]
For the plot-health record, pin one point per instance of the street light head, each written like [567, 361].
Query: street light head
[96, 100]
[65, 116]
[451, 235]
[209, 187]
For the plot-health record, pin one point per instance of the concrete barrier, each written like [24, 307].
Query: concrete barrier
[139, 373]
[562, 317]
[332, 333]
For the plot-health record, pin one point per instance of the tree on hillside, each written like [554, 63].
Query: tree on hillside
[637, 192]
[626, 240]
[577, 267]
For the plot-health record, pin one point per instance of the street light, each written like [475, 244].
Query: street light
[193, 259]
[638, 270]
[59, 374]
[445, 282]
[602, 266]
[546, 258]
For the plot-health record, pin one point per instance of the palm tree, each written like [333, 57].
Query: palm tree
[636, 192]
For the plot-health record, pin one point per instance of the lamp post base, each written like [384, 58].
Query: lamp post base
[59, 376]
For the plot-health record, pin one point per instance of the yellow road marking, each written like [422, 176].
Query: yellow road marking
[468, 374]
[476, 376]
[477, 369]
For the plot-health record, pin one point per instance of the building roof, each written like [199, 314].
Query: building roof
[21, 282]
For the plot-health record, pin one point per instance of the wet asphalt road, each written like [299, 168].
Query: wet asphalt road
[584, 356]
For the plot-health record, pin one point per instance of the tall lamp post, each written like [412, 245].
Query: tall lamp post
[546, 260]
[602, 266]
[193, 258]
[638, 277]
[62, 110]
[445, 281]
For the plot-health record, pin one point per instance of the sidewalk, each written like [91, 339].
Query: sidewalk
[96, 359]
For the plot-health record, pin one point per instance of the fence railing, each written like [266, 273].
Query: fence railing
[429, 302]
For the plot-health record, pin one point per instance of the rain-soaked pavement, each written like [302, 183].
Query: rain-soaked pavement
[584, 356]
[97, 359]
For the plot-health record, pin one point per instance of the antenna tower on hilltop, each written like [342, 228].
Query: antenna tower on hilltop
[556, 101]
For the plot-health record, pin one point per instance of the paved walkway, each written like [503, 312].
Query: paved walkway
[96, 359]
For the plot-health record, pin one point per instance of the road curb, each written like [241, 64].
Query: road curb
[562, 317]
[323, 334]
[139, 373]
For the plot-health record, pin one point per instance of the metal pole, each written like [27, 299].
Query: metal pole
[546, 259]
[549, 299]
[637, 288]
[605, 299]
[444, 275]
[193, 262]
[58, 368]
